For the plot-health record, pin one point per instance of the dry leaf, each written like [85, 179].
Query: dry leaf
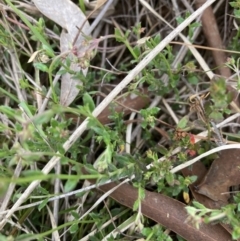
[223, 173]
[33, 56]
[70, 17]
[199, 170]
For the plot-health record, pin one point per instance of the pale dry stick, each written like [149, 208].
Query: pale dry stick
[98, 31]
[169, 109]
[218, 5]
[232, 125]
[78, 132]
[176, 8]
[82, 200]
[214, 150]
[38, 87]
[32, 226]
[129, 133]
[184, 49]
[19, 227]
[55, 234]
[38, 91]
[219, 139]
[82, 190]
[129, 223]
[6, 78]
[187, 5]
[235, 24]
[16, 76]
[66, 206]
[11, 187]
[26, 41]
[99, 17]
[57, 183]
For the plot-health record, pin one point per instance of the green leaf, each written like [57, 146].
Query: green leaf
[182, 123]
[48, 49]
[146, 231]
[236, 233]
[43, 190]
[162, 150]
[198, 205]
[87, 100]
[43, 118]
[100, 131]
[191, 210]
[157, 39]
[118, 35]
[233, 4]
[141, 193]
[126, 35]
[7, 93]
[4, 238]
[42, 204]
[75, 215]
[237, 13]
[193, 178]
[3, 189]
[70, 185]
[108, 154]
[195, 25]
[136, 205]
[41, 67]
[216, 115]
[193, 80]
[11, 113]
[74, 228]
[170, 178]
[84, 110]
[21, 237]
[29, 173]
[179, 20]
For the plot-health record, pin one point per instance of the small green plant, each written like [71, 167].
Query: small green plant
[32, 136]
[236, 6]
[230, 214]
